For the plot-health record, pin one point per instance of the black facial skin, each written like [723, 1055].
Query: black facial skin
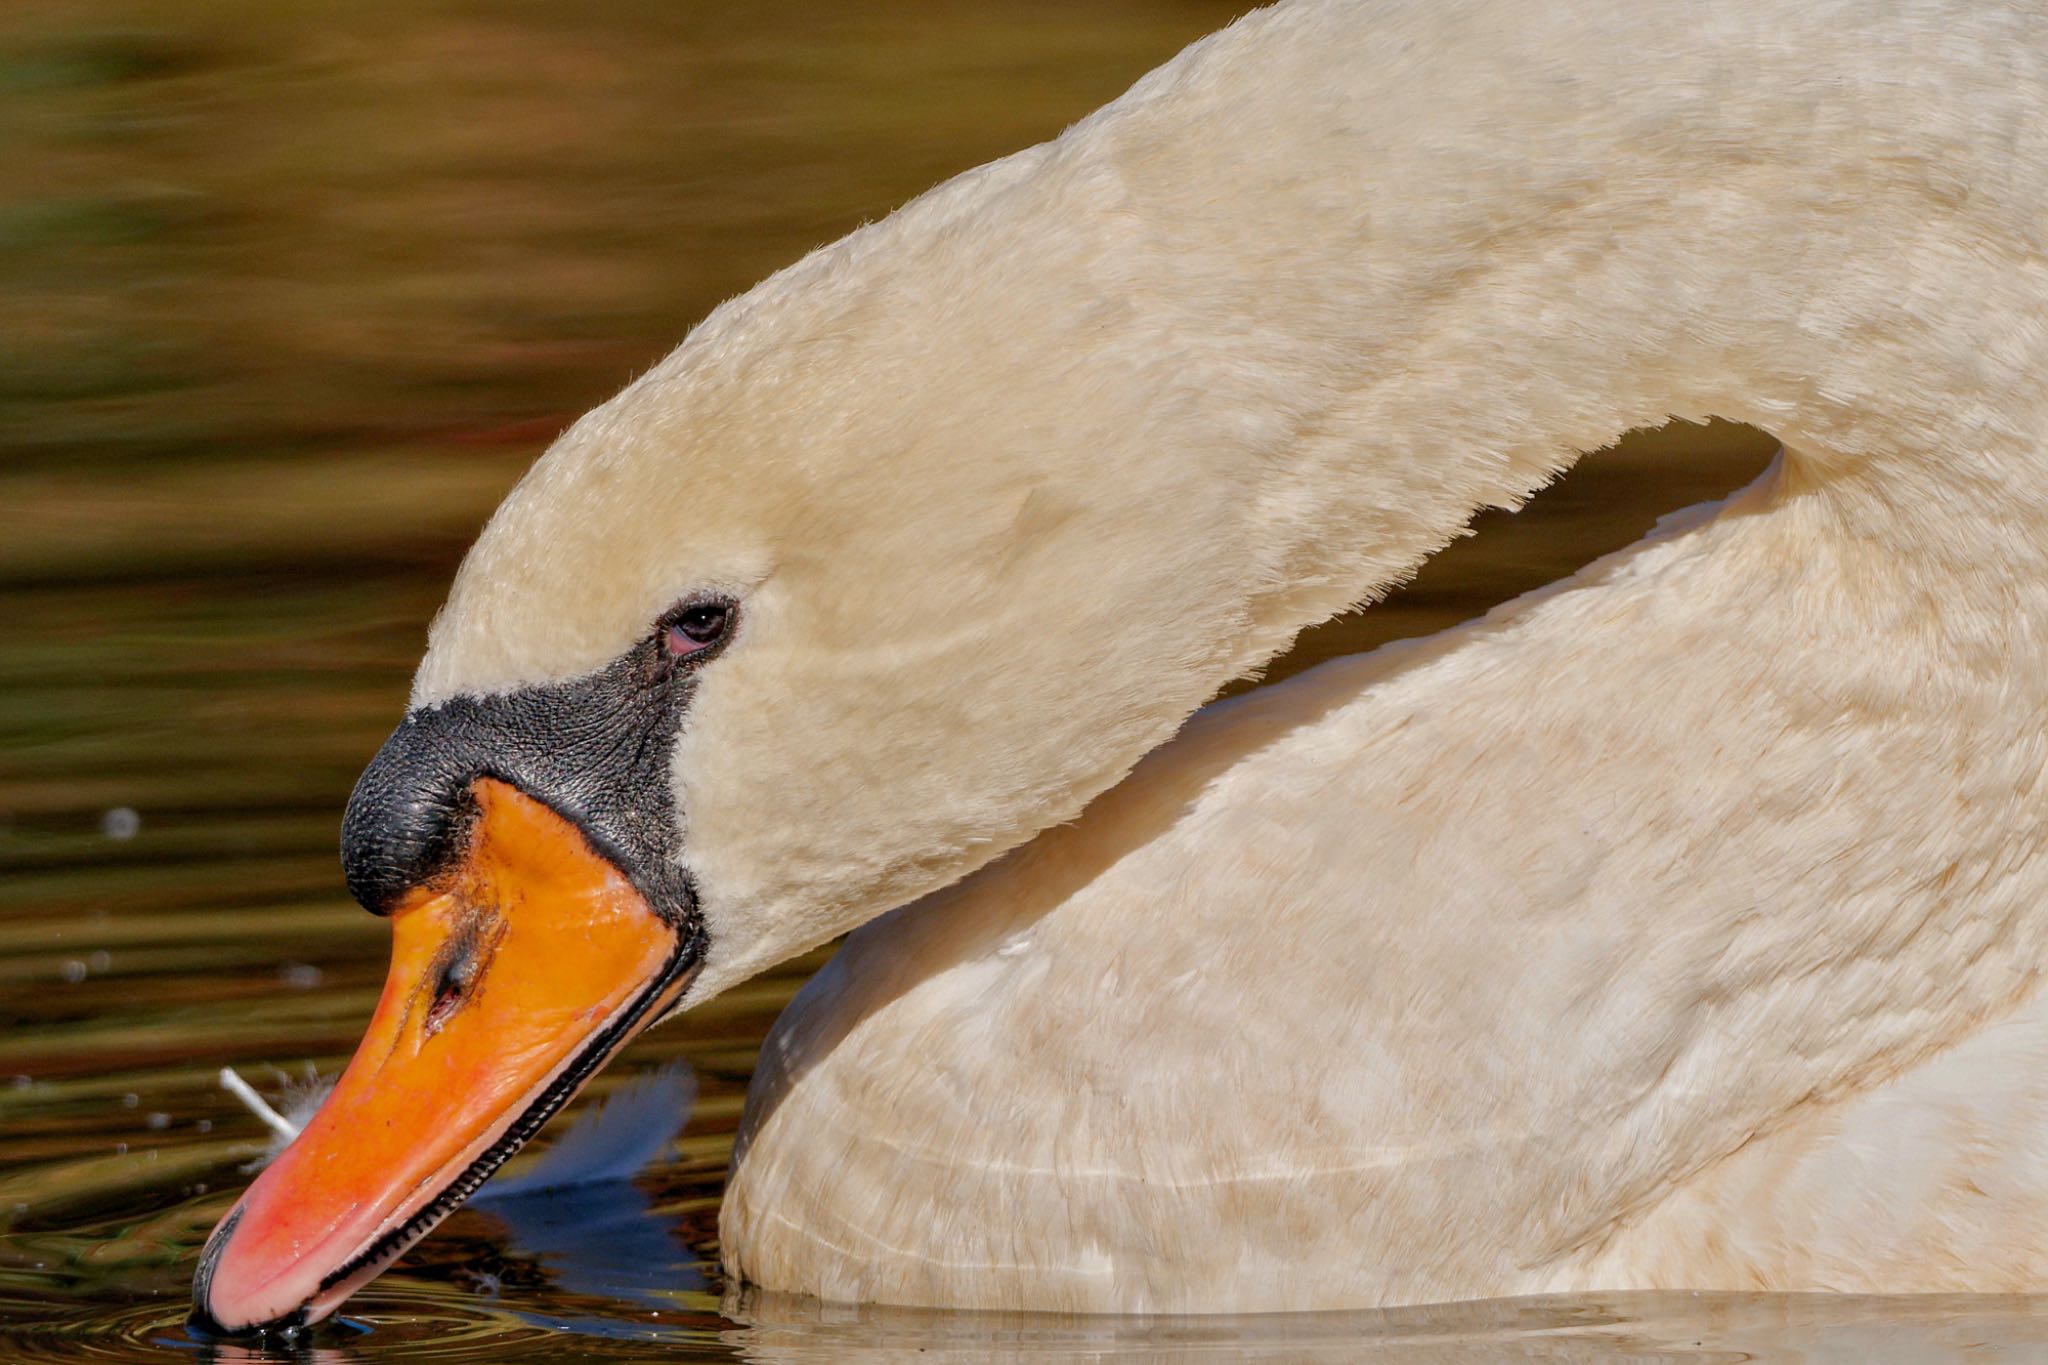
[594, 750]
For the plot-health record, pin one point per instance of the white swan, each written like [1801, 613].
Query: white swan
[1679, 925]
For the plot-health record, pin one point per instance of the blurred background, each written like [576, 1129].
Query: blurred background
[293, 293]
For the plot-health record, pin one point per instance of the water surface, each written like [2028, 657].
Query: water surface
[294, 293]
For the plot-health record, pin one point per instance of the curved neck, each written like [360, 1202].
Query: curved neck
[1027, 471]
[1399, 291]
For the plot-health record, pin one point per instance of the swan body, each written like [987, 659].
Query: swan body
[1411, 980]
[1673, 927]
[1676, 926]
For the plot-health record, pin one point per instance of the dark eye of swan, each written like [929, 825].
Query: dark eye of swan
[695, 629]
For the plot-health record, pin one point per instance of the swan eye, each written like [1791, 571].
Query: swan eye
[695, 629]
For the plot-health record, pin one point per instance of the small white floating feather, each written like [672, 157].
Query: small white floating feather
[232, 1082]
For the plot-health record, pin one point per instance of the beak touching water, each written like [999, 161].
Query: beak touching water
[515, 974]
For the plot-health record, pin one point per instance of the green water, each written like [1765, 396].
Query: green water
[293, 294]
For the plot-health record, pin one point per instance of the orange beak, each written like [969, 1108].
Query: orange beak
[513, 979]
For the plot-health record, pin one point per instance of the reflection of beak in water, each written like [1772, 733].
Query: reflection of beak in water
[340, 1348]
[223, 1352]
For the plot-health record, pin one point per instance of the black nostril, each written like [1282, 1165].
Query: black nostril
[451, 984]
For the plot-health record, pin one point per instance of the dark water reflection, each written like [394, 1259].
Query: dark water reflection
[294, 292]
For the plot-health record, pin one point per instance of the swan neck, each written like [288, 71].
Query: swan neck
[1015, 480]
[1361, 308]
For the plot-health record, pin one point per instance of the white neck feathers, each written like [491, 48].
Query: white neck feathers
[1242, 349]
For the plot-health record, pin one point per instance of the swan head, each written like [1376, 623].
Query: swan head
[828, 609]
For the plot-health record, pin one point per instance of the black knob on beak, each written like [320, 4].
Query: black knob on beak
[595, 750]
[406, 818]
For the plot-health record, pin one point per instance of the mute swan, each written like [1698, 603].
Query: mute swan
[1679, 925]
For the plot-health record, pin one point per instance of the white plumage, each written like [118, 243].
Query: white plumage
[1676, 926]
